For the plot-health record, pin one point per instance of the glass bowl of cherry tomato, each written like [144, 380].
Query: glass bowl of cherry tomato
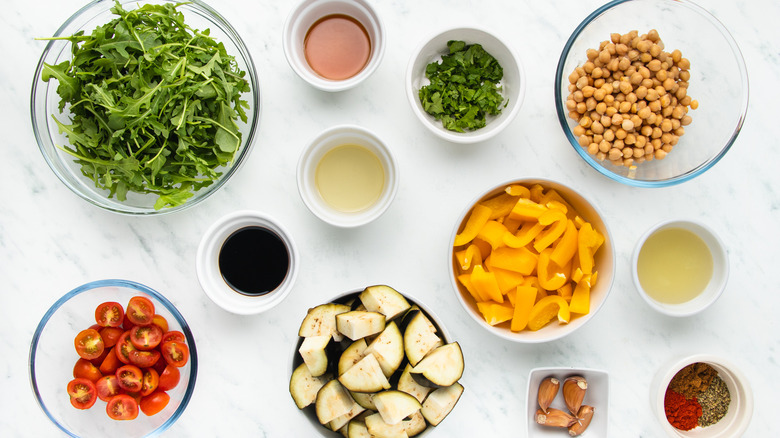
[113, 357]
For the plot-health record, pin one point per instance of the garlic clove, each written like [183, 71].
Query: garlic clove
[574, 389]
[548, 389]
[584, 415]
[554, 417]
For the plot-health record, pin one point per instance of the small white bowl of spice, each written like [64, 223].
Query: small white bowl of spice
[495, 75]
[702, 396]
[347, 176]
[680, 267]
[334, 45]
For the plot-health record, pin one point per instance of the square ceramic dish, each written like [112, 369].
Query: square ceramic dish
[597, 395]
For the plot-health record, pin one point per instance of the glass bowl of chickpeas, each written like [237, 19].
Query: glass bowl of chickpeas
[651, 93]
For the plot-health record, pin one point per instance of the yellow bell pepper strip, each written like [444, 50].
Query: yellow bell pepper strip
[566, 247]
[501, 205]
[495, 314]
[545, 309]
[555, 221]
[525, 297]
[555, 205]
[525, 235]
[526, 209]
[485, 284]
[467, 257]
[477, 219]
[518, 190]
[550, 275]
[576, 274]
[533, 281]
[580, 298]
[465, 280]
[507, 280]
[565, 291]
[520, 260]
[589, 241]
[536, 191]
[512, 224]
[493, 233]
[553, 196]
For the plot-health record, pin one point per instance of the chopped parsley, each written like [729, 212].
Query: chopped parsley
[463, 87]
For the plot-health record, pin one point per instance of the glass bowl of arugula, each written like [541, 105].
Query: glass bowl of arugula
[145, 107]
[465, 84]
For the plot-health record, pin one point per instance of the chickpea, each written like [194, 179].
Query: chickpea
[630, 99]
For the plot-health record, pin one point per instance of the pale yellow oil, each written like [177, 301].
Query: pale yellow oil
[350, 178]
[674, 265]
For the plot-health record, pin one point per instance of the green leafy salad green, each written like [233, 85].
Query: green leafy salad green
[463, 87]
[153, 104]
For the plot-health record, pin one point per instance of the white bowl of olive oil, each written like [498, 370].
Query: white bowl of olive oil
[347, 176]
[680, 267]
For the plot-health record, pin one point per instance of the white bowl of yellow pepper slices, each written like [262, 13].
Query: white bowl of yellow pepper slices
[531, 260]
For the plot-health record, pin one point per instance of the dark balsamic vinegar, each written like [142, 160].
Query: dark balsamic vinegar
[254, 260]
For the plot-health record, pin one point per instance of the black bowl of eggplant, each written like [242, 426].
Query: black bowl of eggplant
[375, 362]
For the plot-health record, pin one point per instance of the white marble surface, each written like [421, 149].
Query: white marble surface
[52, 241]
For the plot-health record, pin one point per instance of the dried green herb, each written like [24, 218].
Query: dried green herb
[714, 402]
[153, 104]
[463, 87]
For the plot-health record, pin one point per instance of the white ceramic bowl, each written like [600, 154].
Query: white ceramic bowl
[604, 264]
[307, 168]
[306, 13]
[296, 360]
[720, 269]
[597, 396]
[513, 83]
[740, 411]
[211, 279]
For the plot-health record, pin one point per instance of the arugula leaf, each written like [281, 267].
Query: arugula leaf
[153, 104]
[463, 87]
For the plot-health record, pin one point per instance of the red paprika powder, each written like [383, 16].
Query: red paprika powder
[682, 413]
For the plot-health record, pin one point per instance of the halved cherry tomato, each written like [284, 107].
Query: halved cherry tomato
[123, 347]
[107, 387]
[140, 310]
[111, 363]
[98, 360]
[144, 358]
[154, 402]
[150, 382]
[82, 393]
[175, 353]
[169, 378]
[109, 314]
[160, 365]
[122, 407]
[146, 337]
[110, 335]
[85, 369]
[174, 335]
[130, 378]
[89, 344]
[161, 322]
